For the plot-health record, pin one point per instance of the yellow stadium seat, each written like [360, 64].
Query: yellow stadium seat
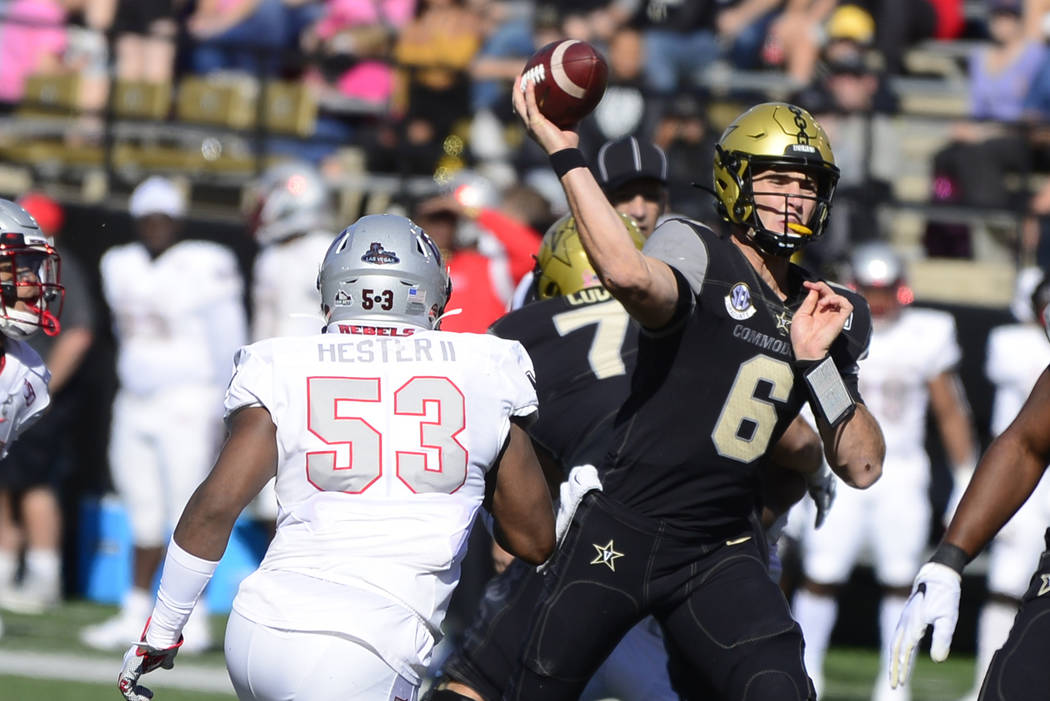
[138, 99]
[291, 108]
[51, 93]
[220, 102]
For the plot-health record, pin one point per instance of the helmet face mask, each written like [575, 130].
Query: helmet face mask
[562, 265]
[30, 270]
[782, 138]
[383, 268]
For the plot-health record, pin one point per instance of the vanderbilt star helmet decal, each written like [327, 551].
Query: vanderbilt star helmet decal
[607, 555]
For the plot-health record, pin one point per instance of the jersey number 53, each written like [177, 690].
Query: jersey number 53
[434, 462]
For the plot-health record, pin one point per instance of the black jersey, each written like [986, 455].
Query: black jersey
[583, 347]
[715, 390]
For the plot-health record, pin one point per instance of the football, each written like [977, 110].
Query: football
[570, 77]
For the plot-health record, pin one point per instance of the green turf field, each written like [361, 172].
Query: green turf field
[40, 658]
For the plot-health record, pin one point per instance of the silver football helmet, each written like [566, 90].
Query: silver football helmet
[384, 268]
[876, 264]
[30, 292]
[878, 273]
[289, 198]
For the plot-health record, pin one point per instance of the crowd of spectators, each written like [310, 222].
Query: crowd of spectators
[421, 87]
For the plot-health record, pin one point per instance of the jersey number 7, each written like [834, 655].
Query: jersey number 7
[435, 462]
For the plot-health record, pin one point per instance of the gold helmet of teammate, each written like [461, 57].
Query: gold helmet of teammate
[773, 135]
[562, 265]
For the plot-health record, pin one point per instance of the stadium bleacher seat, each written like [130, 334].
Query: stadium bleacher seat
[51, 93]
[291, 108]
[137, 99]
[225, 102]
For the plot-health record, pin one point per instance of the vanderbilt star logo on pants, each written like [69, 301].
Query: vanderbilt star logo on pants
[606, 555]
[1045, 586]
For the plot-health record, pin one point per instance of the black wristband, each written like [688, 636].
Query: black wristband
[804, 366]
[565, 160]
[950, 556]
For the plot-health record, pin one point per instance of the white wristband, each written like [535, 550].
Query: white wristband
[181, 584]
[828, 393]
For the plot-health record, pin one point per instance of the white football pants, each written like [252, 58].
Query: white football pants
[161, 447]
[267, 664]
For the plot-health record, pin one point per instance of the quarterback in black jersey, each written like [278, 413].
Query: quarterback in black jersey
[736, 339]
[583, 346]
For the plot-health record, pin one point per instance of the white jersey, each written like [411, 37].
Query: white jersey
[1017, 355]
[384, 443]
[903, 357]
[23, 389]
[178, 318]
[284, 287]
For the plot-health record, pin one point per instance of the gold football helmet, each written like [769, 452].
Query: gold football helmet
[562, 265]
[773, 135]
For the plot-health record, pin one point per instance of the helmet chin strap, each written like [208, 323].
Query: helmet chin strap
[449, 312]
[49, 323]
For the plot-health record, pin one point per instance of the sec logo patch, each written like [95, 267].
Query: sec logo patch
[738, 302]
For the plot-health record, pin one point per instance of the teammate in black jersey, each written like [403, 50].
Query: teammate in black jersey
[736, 339]
[1005, 477]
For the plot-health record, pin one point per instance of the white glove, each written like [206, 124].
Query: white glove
[140, 659]
[581, 480]
[934, 601]
[821, 487]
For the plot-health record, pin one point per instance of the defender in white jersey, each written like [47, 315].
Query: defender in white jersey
[289, 216]
[178, 320]
[30, 300]
[910, 366]
[288, 212]
[386, 437]
[1017, 354]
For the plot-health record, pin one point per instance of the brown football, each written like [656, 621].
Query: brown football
[570, 77]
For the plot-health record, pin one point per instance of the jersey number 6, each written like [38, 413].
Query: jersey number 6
[746, 423]
[442, 468]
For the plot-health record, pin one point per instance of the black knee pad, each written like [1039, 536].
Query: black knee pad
[777, 685]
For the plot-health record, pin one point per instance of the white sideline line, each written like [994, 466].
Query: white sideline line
[77, 668]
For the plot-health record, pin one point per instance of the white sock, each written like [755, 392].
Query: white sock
[890, 609]
[816, 615]
[993, 627]
[43, 565]
[8, 568]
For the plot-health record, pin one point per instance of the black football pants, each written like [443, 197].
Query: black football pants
[1019, 669]
[727, 620]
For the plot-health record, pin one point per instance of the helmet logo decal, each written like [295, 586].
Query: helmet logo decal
[379, 256]
[417, 301]
[738, 302]
[800, 122]
[342, 298]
